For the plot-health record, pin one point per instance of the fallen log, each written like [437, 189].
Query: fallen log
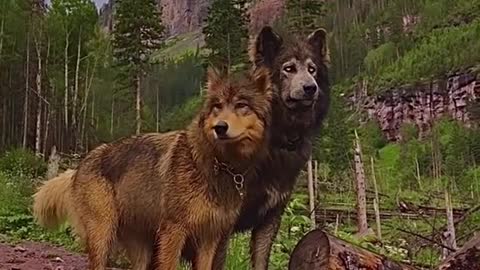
[466, 258]
[318, 250]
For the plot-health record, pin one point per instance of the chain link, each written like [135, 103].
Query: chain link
[238, 179]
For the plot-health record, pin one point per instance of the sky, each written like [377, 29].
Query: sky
[98, 3]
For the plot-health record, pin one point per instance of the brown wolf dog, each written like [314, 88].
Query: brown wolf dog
[299, 73]
[182, 186]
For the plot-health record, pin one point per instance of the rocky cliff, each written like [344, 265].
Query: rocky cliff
[422, 103]
[183, 16]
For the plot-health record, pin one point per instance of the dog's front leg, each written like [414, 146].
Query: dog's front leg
[206, 254]
[262, 239]
[221, 254]
[170, 240]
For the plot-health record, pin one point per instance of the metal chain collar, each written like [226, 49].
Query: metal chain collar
[238, 179]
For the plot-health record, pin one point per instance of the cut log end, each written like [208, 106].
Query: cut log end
[312, 252]
[318, 250]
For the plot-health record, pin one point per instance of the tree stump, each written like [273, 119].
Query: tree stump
[318, 250]
[466, 258]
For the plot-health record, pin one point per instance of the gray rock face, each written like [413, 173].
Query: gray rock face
[421, 104]
[183, 16]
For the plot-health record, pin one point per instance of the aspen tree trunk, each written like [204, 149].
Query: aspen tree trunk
[38, 133]
[45, 136]
[311, 193]
[138, 103]
[450, 232]
[66, 80]
[360, 188]
[111, 116]
[2, 30]
[315, 179]
[77, 72]
[157, 128]
[47, 107]
[27, 92]
[376, 202]
[88, 87]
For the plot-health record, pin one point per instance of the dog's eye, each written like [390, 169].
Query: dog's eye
[289, 69]
[241, 105]
[311, 70]
[217, 106]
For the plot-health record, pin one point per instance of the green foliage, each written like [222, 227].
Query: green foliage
[372, 138]
[180, 117]
[303, 15]
[437, 54]
[175, 81]
[383, 55]
[15, 193]
[226, 32]
[24, 163]
[17, 168]
[333, 147]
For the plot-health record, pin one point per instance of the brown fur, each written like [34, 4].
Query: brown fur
[290, 146]
[52, 204]
[130, 190]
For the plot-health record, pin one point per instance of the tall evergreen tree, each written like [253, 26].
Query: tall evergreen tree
[138, 32]
[226, 31]
[303, 15]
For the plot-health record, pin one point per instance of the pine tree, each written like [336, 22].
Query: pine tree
[303, 15]
[138, 32]
[226, 31]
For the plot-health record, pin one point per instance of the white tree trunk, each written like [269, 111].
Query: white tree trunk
[77, 72]
[450, 236]
[157, 128]
[376, 202]
[417, 175]
[92, 117]
[88, 86]
[112, 116]
[66, 80]
[360, 188]
[45, 136]
[311, 192]
[315, 180]
[138, 103]
[27, 93]
[2, 29]
[38, 133]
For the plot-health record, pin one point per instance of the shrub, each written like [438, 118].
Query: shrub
[20, 162]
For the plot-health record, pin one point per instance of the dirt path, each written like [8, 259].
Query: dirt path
[39, 256]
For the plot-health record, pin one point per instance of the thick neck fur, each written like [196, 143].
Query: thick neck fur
[204, 153]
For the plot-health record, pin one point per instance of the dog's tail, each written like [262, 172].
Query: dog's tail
[52, 204]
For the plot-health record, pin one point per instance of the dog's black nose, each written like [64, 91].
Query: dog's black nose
[310, 89]
[221, 128]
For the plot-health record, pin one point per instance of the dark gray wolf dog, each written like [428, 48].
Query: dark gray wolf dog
[299, 70]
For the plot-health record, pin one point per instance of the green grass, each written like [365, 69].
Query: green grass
[180, 45]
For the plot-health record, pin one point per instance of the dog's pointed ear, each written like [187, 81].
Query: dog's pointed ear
[318, 41]
[214, 79]
[261, 76]
[265, 47]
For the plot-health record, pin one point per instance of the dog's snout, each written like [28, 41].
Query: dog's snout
[310, 89]
[221, 128]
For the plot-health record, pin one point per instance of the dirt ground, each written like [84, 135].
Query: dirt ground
[39, 256]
